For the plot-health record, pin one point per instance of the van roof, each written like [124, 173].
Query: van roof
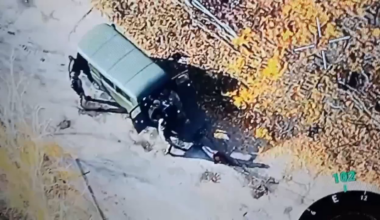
[121, 62]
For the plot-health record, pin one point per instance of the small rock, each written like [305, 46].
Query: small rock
[288, 210]
[146, 145]
[64, 124]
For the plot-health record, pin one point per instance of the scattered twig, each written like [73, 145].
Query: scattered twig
[210, 176]
[90, 189]
[80, 20]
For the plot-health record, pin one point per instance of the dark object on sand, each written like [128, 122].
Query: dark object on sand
[223, 158]
[64, 124]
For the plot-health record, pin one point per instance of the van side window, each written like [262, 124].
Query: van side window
[93, 69]
[118, 90]
[108, 82]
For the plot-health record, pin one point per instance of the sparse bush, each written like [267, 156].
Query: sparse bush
[38, 180]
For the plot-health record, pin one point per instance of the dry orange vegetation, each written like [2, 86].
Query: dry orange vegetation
[283, 92]
[38, 179]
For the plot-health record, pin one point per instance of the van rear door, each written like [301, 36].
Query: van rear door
[139, 117]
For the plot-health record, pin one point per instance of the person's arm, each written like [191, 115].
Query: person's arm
[161, 129]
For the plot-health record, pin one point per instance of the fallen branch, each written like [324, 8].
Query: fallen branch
[90, 189]
[77, 24]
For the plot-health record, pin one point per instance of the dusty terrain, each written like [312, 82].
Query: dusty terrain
[128, 181]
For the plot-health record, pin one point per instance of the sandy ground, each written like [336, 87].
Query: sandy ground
[128, 181]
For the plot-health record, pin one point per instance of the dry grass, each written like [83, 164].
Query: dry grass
[283, 94]
[38, 180]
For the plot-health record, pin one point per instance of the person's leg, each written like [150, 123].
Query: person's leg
[251, 164]
[76, 67]
[181, 145]
[80, 89]
[208, 151]
[175, 155]
[76, 85]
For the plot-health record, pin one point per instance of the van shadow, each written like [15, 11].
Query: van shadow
[209, 88]
[219, 109]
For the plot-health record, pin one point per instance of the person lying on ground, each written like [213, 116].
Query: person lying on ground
[220, 157]
[177, 148]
